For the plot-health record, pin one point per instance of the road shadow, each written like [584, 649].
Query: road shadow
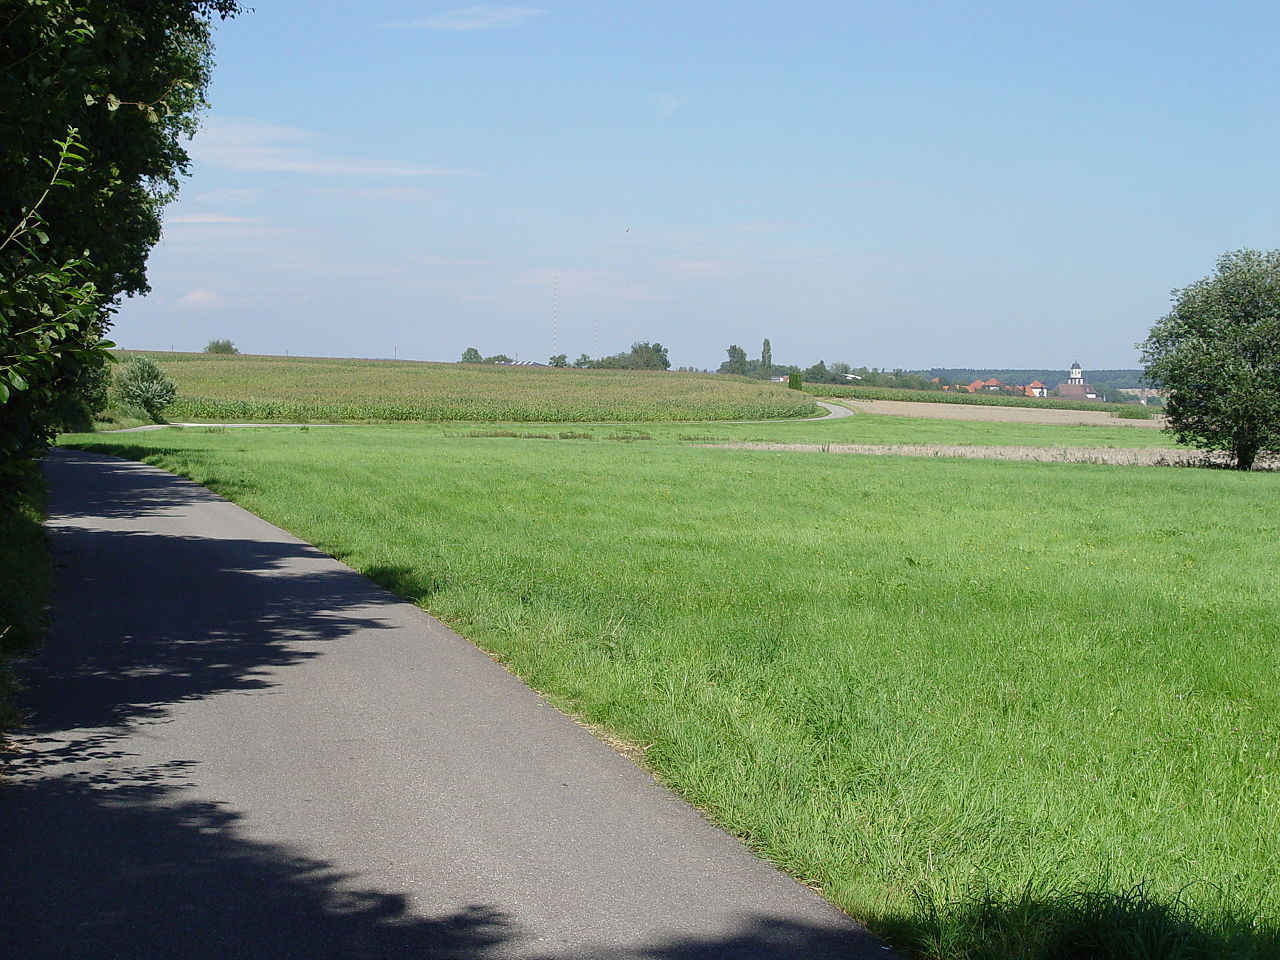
[118, 865]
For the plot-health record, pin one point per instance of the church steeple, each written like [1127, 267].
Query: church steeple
[1077, 375]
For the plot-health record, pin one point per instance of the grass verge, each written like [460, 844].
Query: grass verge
[26, 571]
[993, 709]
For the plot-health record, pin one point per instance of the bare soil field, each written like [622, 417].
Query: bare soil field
[964, 411]
[1108, 455]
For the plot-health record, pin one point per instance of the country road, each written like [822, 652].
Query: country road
[240, 748]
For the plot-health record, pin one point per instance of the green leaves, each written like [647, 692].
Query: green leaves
[1218, 354]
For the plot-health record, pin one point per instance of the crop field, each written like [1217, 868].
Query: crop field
[993, 709]
[855, 392]
[227, 388]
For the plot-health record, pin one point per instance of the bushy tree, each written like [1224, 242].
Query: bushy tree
[220, 346]
[559, 360]
[139, 382]
[737, 362]
[97, 96]
[497, 358]
[1217, 353]
[471, 355]
[643, 355]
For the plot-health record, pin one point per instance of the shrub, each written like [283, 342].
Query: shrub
[1133, 411]
[220, 346]
[140, 383]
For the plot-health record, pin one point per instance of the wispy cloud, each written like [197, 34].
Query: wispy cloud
[253, 145]
[201, 298]
[219, 196]
[706, 268]
[763, 226]
[209, 218]
[668, 103]
[469, 19]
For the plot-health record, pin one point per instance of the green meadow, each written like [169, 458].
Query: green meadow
[993, 709]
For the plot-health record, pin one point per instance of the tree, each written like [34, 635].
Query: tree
[97, 96]
[1217, 353]
[559, 360]
[471, 355]
[737, 362]
[141, 383]
[220, 346]
[643, 355]
[766, 359]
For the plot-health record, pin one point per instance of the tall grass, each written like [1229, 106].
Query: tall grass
[977, 703]
[312, 389]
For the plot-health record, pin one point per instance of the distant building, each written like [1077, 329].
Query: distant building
[1075, 388]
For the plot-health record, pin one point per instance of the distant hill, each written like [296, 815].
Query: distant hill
[1102, 379]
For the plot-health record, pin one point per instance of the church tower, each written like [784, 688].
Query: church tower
[1077, 375]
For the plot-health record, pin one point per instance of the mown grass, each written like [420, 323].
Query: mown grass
[994, 709]
[316, 389]
[26, 584]
[974, 399]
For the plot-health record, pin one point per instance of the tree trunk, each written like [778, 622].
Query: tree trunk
[1245, 455]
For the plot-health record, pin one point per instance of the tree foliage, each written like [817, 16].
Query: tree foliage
[1217, 353]
[220, 346]
[737, 362]
[471, 355]
[97, 95]
[643, 355]
[141, 383]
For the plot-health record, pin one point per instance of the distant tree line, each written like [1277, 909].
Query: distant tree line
[643, 355]
[763, 368]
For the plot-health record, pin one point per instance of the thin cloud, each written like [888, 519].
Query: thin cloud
[209, 218]
[470, 19]
[264, 147]
[763, 226]
[201, 299]
[705, 268]
[667, 104]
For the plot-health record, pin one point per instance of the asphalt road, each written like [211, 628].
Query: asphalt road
[239, 748]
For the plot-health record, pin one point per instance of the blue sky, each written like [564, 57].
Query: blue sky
[910, 184]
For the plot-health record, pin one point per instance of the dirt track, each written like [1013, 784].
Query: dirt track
[973, 411]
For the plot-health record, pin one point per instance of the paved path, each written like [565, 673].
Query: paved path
[239, 748]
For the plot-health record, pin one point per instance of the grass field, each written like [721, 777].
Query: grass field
[993, 709]
[314, 389]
